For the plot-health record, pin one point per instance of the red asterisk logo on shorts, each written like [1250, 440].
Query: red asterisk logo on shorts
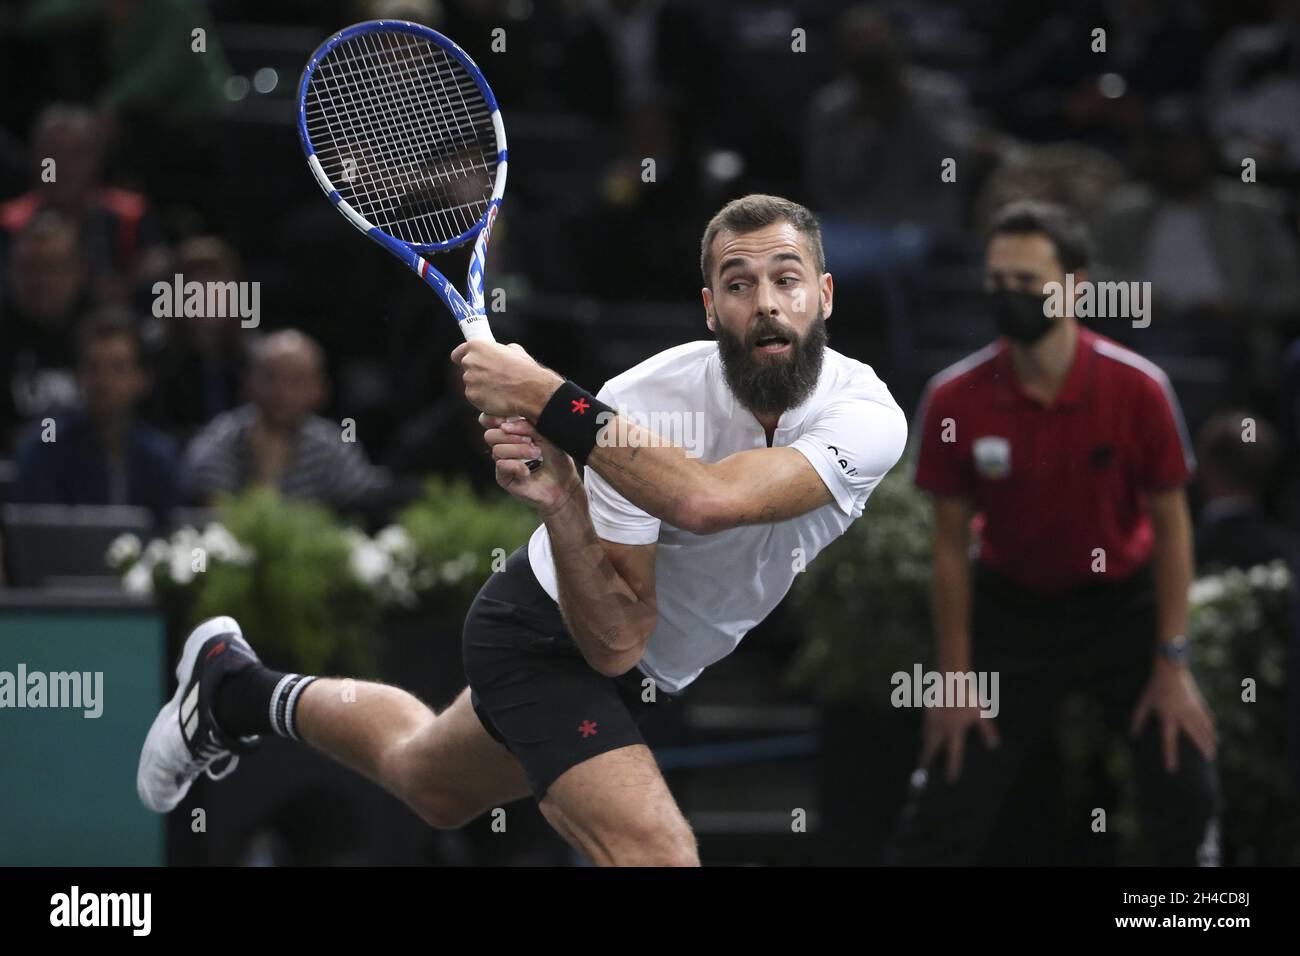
[587, 728]
[580, 406]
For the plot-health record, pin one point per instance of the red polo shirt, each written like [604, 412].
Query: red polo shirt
[1053, 483]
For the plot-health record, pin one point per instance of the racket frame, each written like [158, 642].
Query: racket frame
[471, 315]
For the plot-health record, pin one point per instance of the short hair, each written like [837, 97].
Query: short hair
[1247, 466]
[1068, 235]
[288, 340]
[106, 323]
[75, 115]
[756, 211]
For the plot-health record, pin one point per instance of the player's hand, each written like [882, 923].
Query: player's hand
[513, 444]
[948, 728]
[504, 380]
[1172, 696]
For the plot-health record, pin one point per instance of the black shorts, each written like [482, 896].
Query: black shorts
[532, 688]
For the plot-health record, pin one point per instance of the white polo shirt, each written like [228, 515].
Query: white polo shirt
[711, 589]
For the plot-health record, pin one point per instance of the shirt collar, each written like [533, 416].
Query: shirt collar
[1072, 393]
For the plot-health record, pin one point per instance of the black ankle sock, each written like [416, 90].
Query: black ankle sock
[258, 700]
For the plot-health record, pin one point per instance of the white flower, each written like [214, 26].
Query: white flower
[221, 545]
[138, 581]
[396, 541]
[185, 539]
[1207, 589]
[180, 565]
[369, 564]
[453, 571]
[124, 549]
[156, 552]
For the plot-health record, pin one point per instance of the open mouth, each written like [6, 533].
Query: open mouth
[772, 343]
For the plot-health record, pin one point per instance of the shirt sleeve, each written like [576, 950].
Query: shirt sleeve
[353, 477]
[852, 444]
[1166, 459]
[613, 516]
[941, 469]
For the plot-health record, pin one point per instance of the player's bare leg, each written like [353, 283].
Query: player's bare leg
[444, 766]
[616, 810]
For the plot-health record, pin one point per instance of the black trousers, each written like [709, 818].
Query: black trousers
[1098, 641]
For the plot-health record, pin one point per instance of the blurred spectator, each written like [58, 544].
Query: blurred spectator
[46, 291]
[624, 54]
[203, 358]
[153, 66]
[446, 440]
[1238, 457]
[1207, 245]
[101, 455]
[874, 142]
[1080, 178]
[1253, 86]
[121, 242]
[660, 211]
[1050, 77]
[277, 440]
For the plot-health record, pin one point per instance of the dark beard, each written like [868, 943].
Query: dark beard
[769, 386]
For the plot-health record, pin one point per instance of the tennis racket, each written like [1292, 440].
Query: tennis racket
[403, 134]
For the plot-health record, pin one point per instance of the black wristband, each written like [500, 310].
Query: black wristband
[572, 419]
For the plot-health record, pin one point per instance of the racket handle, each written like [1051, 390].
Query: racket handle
[479, 329]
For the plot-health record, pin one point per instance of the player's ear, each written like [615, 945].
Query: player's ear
[828, 294]
[710, 317]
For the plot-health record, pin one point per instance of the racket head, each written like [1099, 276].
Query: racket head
[404, 135]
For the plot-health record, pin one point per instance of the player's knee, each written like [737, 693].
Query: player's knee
[660, 847]
[437, 805]
[410, 775]
[444, 811]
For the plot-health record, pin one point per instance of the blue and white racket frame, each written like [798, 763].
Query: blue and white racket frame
[471, 315]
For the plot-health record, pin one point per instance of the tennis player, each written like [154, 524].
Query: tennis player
[635, 582]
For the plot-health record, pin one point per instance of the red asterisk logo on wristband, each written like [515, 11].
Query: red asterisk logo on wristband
[580, 406]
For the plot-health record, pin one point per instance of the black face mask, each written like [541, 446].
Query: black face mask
[1020, 315]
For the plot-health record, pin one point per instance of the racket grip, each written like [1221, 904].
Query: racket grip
[481, 330]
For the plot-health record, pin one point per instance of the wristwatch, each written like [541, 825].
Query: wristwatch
[1177, 650]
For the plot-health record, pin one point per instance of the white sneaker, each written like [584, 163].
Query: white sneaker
[184, 740]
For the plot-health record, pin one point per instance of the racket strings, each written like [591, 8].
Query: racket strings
[402, 192]
[401, 163]
[404, 133]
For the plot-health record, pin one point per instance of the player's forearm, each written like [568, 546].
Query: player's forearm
[660, 479]
[607, 620]
[950, 599]
[656, 476]
[1172, 566]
